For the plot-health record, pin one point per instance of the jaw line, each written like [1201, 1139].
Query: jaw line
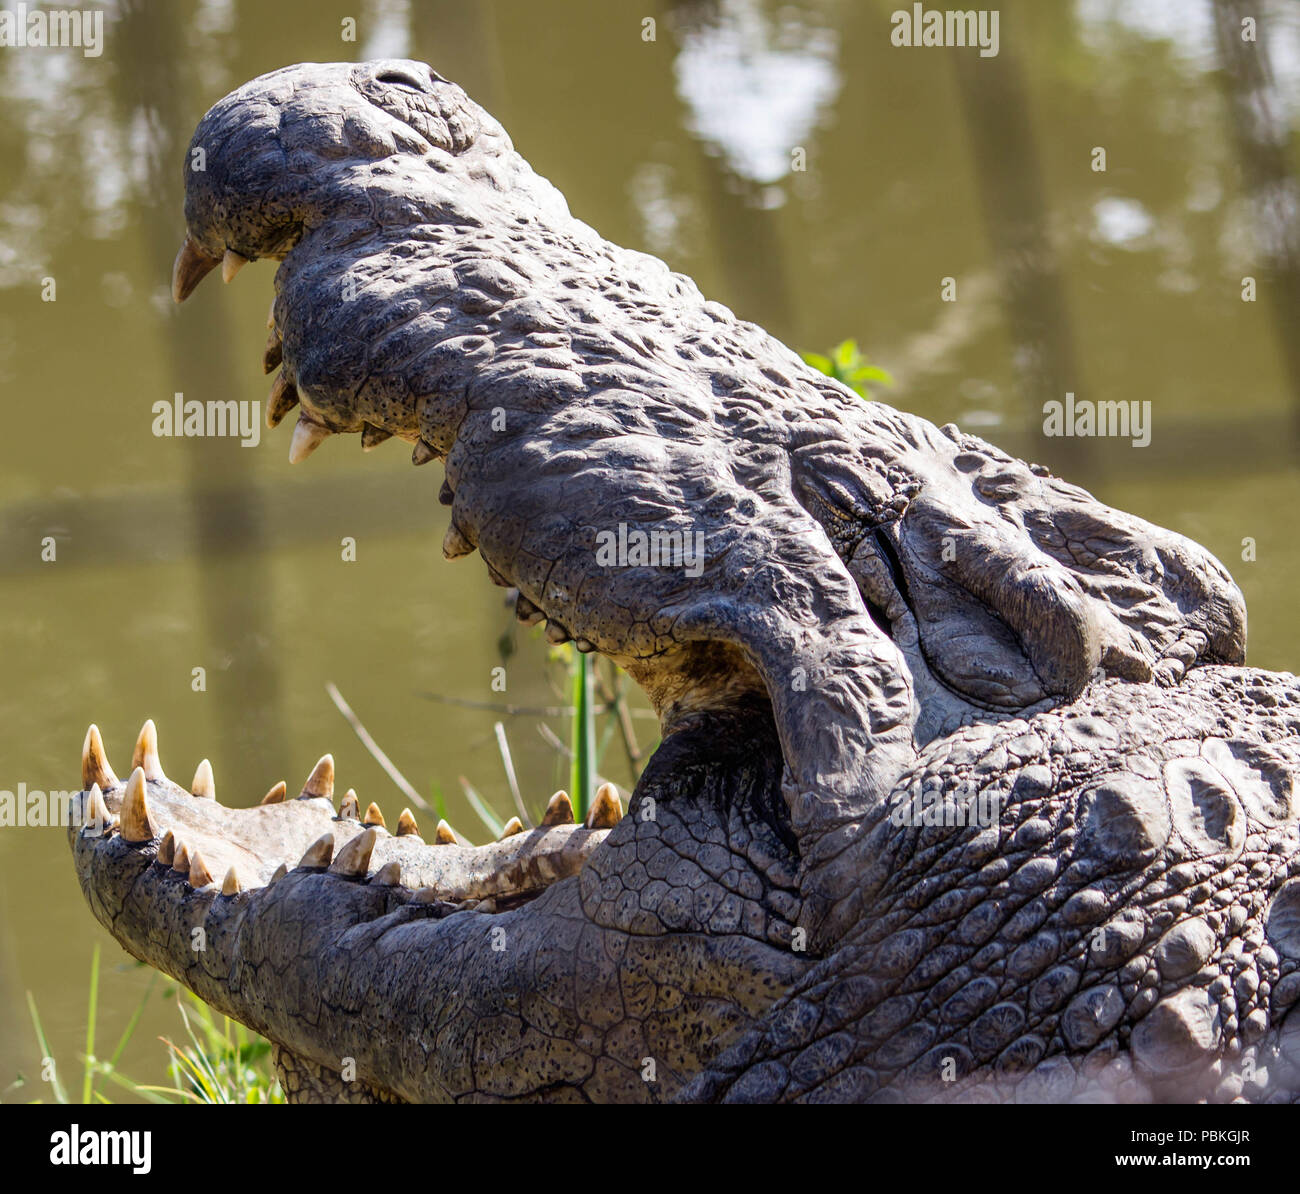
[256, 843]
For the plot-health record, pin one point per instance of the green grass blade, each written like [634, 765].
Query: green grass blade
[55, 1085]
[480, 806]
[129, 1031]
[92, 1013]
[582, 766]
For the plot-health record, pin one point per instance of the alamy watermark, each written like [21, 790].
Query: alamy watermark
[190, 417]
[637, 548]
[928, 804]
[36, 809]
[1125, 420]
[946, 27]
[89, 1146]
[24, 27]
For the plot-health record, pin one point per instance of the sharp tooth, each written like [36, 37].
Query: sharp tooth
[280, 872]
[146, 752]
[373, 816]
[606, 810]
[445, 495]
[350, 807]
[231, 264]
[388, 875]
[136, 826]
[192, 265]
[276, 794]
[527, 612]
[319, 853]
[200, 876]
[167, 848]
[372, 437]
[204, 786]
[94, 762]
[95, 814]
[559, 810]
[555, 633]
[354, 858]
[422, 453]
[281, 400]
[444, 835]
[273, 353]
[181, 859]
[455, 545]
[308, 435]
[321, 780]
[407, 824]
[230, 885]
[511, 827]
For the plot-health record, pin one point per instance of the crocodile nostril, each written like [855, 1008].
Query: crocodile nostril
[400, 79]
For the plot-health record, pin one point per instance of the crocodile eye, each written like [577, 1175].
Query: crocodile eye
[399, 79]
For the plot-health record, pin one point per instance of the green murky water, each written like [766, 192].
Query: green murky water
[921, 165]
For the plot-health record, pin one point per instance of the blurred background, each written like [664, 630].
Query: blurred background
[921, 165]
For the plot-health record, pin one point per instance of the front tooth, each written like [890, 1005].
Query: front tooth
[277, 794]
[191, 266]
[94, 762]
[350, 807]
[372, 437]
[527, 612]
[181, 859]
[273, 353]
[146, 752]
[95, 814]
[230, 885]
[319, 853]
[308, 435]
[282, 399]
[204, 785]
[373, 816]
[354, 859]
[321, 780]
[559, 810]
[556, 633]
[511, 827]
[407, 824]
[280, 872]
[231, 264]
[455, 545]
[136, 826]
[167, 848]
[444, 835]
[422, 453]
[200, 876]
[606, 810]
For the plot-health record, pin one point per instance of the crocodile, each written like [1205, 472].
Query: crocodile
[964, 788]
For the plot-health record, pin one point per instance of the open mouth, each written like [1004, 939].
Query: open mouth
[185, 836]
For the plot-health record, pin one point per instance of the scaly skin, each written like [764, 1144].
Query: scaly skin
[1129, 930]
[870, 585]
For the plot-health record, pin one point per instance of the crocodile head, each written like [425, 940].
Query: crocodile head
[845, 588]
[412, 201]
